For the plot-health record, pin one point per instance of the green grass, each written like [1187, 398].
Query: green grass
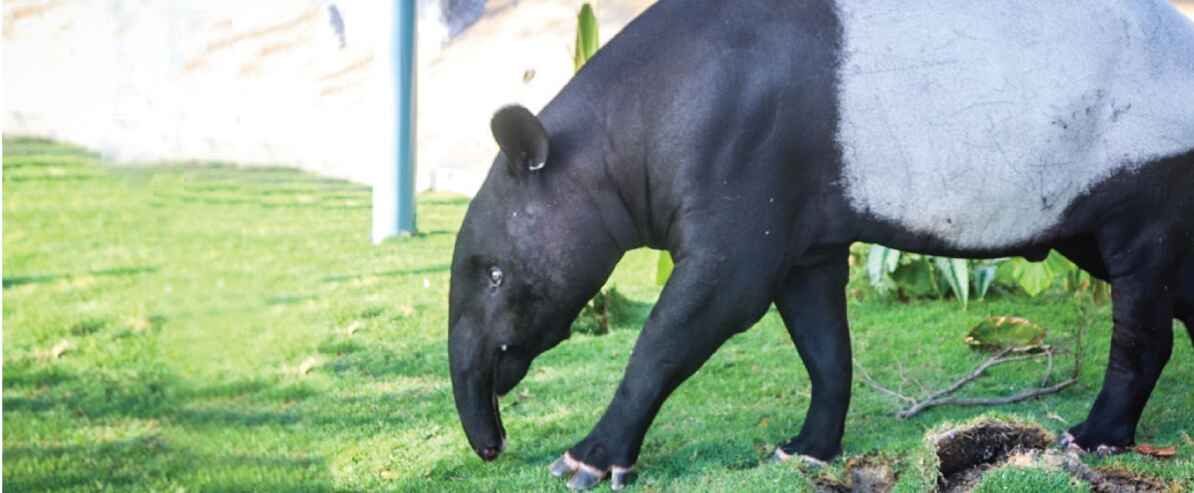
[1018, 480]
[189, 298]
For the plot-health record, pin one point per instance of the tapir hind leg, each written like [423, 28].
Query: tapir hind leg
[812, 302]
[1141, 266]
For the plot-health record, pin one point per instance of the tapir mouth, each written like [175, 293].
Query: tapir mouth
[497, 420]
[477, 404]
[497, 409]
[490, 453]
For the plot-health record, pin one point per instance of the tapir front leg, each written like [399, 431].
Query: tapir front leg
[1085, 253]
[704, 303]
[1142, 280]
[813, 305]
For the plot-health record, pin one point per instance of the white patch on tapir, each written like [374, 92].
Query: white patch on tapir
[978, 122]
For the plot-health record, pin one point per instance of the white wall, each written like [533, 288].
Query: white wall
[267, 82]
[260, 83]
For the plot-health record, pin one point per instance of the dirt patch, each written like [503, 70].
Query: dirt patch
[864, 475]
[966, 454]
[1102, 480]
[1121, 481]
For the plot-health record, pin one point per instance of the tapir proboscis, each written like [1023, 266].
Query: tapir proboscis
[755, 140]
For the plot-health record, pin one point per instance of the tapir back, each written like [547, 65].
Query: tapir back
[978, 123]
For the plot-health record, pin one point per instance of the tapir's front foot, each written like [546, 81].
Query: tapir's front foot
[690, 321]
[609, 451]
[1083, 438]
[1141, 344]
[780, 456]
[583, 476]
[814, 453]
[1070, 443]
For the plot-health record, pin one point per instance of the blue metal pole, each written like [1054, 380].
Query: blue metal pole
[394, 193]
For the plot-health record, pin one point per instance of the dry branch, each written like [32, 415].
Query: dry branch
[875, 385]
[1025, 395]
[942, 397]
[1007, 355]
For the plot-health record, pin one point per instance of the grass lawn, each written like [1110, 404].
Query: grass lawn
[208, 328]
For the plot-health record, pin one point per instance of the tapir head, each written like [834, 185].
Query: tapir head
[530, 254]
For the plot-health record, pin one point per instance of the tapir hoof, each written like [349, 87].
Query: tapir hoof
[621, 477]
[780, 457]
[1070, 444]
[563, 466]
[584, 476]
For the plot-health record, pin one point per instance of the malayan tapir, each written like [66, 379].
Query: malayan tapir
[755, 140]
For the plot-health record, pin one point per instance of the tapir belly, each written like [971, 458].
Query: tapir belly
[979, 123]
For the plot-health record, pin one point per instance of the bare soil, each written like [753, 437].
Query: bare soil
[967, 454]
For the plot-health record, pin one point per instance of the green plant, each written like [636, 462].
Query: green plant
[587, 39]
[663, 268]
[911, 275]
[610, 307]
[1056, 270]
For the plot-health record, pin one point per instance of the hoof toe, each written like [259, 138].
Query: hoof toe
[1070, 444]
[1107, 450]
[585, 478]
[778, 457]
[582, 476]
[621, 477]
[563, 466]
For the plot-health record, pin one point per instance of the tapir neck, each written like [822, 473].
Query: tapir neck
[597, 168]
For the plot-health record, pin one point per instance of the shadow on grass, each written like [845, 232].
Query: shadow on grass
[35, 147]
[50, 177]
[36, 386]
[151, 399]
[46, 159]
[434, 232]
[452, 201]
[13, 281]
[435, 269]
[123, 463]
[289, 299]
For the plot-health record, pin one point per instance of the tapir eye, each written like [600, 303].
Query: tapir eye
[495, 277]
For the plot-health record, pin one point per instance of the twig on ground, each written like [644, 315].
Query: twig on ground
[1048, 370]
[875, 385]
[1025, 395]
[1007, 355]
[941, 397]
[905, 381]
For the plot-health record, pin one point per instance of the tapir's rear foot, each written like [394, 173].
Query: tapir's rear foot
[582, 476]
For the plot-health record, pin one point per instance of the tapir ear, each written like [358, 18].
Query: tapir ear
[522, 138]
